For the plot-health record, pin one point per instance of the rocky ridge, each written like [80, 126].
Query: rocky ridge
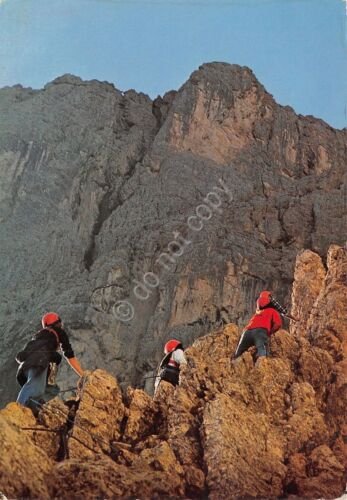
[269, 430]
[96, 184]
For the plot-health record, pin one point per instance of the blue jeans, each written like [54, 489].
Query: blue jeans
[35, 385]
[257, 337]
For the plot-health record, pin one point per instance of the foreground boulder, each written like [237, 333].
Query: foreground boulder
[24, 467]
[272, 429]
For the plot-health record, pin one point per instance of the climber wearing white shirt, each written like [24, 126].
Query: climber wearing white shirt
[169, 367]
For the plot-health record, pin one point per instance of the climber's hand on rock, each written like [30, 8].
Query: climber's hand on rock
[80, 384]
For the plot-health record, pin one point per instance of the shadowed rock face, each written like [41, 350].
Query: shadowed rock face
[95, 184]
[276, 429]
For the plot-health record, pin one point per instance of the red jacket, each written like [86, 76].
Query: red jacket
[267, 318]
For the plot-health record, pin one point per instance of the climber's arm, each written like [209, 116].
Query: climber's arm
[74, 363]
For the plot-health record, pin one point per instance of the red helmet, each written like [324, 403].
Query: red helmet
[49, 319]
[171, 345]
[264, 299]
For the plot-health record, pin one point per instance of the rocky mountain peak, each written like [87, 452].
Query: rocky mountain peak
[66, 79]
[215, 111]
[224, 76]
[99, 187]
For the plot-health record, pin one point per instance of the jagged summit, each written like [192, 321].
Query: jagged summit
[69, 79]
[276, 429]
[233, 76]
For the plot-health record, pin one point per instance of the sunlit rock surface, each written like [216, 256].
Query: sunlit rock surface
[274, 429]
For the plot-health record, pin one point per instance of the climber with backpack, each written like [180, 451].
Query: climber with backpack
[266, 321]
[35, 359]
[169, 368]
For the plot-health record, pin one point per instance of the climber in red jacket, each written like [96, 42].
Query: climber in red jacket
[266, 321]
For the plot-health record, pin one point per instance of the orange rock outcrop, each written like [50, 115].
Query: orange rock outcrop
[272, 429]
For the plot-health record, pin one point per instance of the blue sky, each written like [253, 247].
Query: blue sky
[296, 48]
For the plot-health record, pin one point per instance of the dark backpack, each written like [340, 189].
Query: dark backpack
[166, 372]
[40, 350]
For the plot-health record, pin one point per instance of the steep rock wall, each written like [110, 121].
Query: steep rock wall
[96, 184]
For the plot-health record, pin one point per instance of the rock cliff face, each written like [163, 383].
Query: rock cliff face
[185, 207]
[276, 429]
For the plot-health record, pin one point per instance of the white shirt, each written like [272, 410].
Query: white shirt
[179, 357]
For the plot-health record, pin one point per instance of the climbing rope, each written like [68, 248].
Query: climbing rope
[99, 441]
